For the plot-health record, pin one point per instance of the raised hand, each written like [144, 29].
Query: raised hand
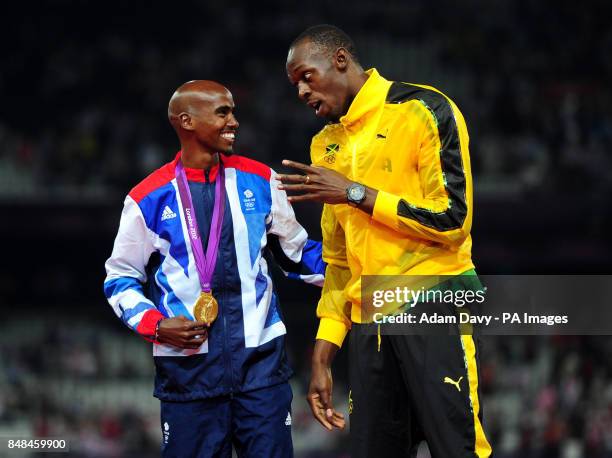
[316, 183]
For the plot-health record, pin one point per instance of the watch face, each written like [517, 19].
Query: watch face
[356, 192]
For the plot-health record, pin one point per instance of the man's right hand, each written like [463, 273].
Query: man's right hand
[181, 332]
[321, 386]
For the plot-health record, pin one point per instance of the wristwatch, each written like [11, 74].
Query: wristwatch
[355, 194]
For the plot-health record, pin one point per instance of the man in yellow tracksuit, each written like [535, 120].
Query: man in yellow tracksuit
[392, 168]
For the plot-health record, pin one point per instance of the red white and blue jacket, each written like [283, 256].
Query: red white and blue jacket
[152, 274]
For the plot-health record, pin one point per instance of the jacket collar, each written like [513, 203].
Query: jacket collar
[368, 100]
[199, 174]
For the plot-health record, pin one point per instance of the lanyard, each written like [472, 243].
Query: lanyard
[204, 264]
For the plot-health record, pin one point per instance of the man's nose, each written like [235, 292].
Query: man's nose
[303, 91]
[233, 122]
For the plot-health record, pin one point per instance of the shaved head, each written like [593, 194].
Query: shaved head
[189, 97]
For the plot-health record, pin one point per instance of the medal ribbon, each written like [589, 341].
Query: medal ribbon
[204, 264]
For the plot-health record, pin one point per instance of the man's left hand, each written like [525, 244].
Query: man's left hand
[317, 183]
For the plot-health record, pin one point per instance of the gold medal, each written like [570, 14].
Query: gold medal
[206, 308]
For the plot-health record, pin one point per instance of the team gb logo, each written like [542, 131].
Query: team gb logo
[249, 200]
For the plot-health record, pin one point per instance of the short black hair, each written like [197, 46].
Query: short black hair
[328, 38]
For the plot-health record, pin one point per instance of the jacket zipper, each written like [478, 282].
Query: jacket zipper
[226, 354]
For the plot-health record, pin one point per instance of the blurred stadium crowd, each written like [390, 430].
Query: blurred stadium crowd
[544, 397]
[531, 79]
[83, 118]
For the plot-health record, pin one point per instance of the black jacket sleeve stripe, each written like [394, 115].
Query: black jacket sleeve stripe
[450, 154]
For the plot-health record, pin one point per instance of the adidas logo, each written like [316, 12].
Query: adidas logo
[288, 419]
[168, 214]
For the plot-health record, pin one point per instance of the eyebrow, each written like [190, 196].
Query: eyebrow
[296, 70]
[225, 108]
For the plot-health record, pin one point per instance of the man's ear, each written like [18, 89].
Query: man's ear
[185, 121]
[341, 59]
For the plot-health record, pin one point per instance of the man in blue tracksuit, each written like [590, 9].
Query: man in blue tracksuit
[221, 376]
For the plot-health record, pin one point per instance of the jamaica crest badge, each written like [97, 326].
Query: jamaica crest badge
[330, 152]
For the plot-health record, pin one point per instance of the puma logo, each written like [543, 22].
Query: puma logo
[383, 135]
[452, 382]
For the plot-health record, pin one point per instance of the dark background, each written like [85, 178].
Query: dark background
[84, 89]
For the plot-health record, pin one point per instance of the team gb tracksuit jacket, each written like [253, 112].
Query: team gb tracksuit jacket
[152, 274]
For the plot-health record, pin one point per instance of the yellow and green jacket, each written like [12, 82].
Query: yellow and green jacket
[409, 142]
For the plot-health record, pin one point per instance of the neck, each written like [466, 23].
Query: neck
[196, 158]
[357, 82]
